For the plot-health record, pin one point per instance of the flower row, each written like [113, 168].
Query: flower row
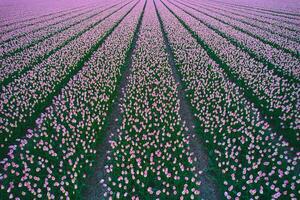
[255, 161]
[55, 156]
[11, 46]
[22, 30]
[23, 99]
[13, 66]
[256, 22]
[276, 96]
[28, 12]
[150, 157]
[283, 60]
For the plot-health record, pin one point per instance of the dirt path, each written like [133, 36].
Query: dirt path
[93, 189]
[209, 188]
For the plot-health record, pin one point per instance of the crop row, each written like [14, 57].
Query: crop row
[20, 21]
[150, 156]
[19, 31]
[269, 15]
[275, 58]
[254, 160]
[243, 18]
[274, 96]
[27, 14]
[26, 97]
[266, 19]
[17, 64]
[15, 45]
[283, 44]
[55, 157]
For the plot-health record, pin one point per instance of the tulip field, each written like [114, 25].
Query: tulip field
[150, 99]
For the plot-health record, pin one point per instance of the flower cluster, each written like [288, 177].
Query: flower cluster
[255, 161]
[53, 159]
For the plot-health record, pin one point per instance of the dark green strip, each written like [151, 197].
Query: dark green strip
[213, 172]
[113, 104]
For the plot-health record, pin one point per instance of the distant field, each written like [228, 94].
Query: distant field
[149, 99]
